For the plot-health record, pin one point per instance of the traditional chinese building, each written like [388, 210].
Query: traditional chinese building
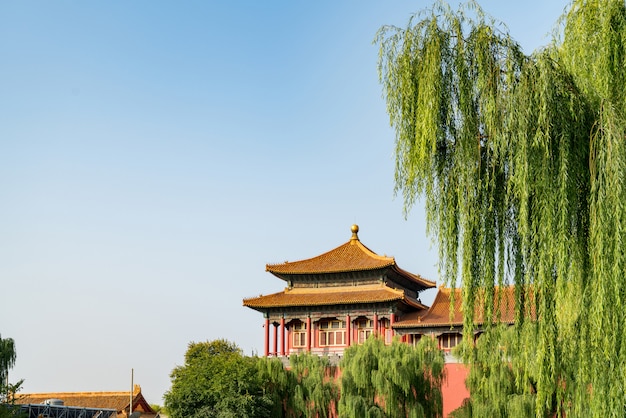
[337, 299]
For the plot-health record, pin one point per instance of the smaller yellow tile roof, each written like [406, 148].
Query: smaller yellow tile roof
[105, 400]
[439, 312]
[342, 295]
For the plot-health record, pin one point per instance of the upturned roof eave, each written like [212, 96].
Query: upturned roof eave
[427, 284]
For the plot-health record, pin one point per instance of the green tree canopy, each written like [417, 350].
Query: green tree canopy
[216, 381]
[520, 161]
[390, 381]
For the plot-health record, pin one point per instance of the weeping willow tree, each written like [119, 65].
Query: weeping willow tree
[519, 160]
[7, 361]
[389, 381]
[316, 392]
[307, 389]
[278, 385]
[501, 374]
[8, 390]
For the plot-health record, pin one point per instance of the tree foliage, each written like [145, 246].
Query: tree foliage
[279, 385]
[520, 161]
[216, 381]
[307, 388]
[316, 391]
[391, 381]
[376, 381]
[7, 361]
[8, 390]
[503, 375]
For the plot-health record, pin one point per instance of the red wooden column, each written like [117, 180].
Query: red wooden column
[375, 324]
[308, 334]
[267, 337]
[275, 350]
[282, 336]
[392, 320]
[348, 331]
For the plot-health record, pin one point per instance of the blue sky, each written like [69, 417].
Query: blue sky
[154, 156]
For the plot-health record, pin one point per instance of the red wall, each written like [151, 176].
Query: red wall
[454, 390]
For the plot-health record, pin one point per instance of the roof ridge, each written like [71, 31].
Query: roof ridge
[441, 293]
[373, 254]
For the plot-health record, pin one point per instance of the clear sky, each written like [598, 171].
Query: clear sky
[155, 156]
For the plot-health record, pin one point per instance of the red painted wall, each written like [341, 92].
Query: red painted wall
[453, 389]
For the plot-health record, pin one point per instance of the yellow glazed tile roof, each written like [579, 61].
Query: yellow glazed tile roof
[105, 400]
[439, 312]
[349, 257]
[327, 296]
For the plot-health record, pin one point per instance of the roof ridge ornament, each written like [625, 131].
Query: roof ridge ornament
[355, 230]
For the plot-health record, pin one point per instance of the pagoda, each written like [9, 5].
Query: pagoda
[337, 299]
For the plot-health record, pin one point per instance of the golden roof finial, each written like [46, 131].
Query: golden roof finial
[355, 230]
